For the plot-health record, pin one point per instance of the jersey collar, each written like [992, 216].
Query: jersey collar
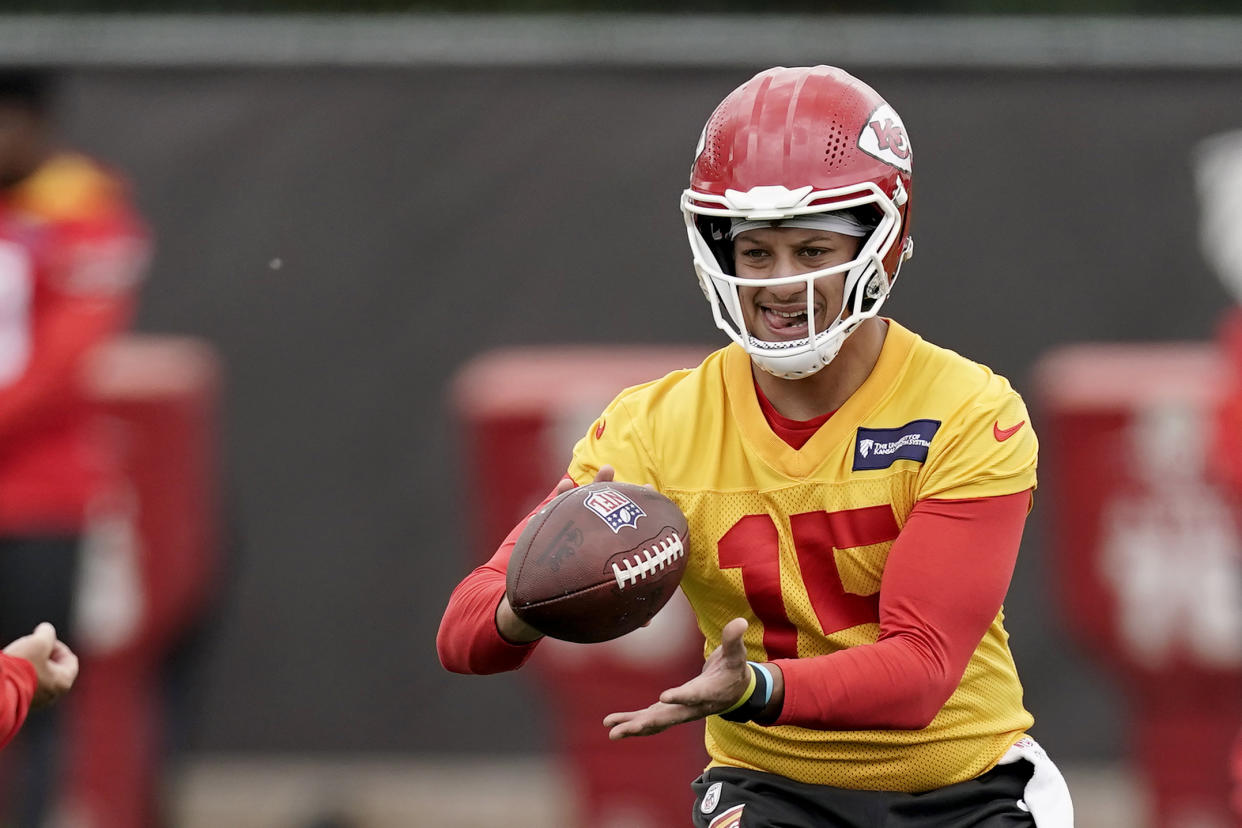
[840, 428]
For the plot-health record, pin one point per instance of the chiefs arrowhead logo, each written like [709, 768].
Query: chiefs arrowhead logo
[884, 137]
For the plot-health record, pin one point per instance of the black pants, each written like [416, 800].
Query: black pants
[765, 800]
[38, 576]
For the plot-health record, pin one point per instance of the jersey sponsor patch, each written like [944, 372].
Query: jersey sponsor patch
[879, 448]
[614, 509]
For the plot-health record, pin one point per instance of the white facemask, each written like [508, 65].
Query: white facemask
[866, 283]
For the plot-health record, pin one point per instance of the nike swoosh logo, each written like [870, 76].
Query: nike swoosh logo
[599, 430]
[1003, 434]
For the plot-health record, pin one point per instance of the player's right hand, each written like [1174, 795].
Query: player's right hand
[720, 684]
[54, 663]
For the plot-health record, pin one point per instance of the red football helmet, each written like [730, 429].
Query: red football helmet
[792, 142]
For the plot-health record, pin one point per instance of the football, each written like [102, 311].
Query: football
[597, 562]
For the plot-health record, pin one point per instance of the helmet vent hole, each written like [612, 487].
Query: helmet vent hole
[715, 144]
[837, 144]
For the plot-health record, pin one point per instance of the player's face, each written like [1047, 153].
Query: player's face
[778, 313]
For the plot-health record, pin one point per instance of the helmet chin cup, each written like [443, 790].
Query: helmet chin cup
[798, 363]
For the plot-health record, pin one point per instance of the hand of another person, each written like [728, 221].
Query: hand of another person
[724, 679]
[54, 663]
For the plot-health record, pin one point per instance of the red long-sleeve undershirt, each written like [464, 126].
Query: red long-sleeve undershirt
[944, 582]
[468, 641]
[18, 682]
[65, 334]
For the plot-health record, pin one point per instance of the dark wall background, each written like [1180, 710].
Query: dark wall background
[349, 238]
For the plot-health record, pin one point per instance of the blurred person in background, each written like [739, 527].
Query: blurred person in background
[35, 671]
[72, 251]
[855, 495]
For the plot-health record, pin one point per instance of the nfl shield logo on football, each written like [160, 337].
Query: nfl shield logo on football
[614, 509]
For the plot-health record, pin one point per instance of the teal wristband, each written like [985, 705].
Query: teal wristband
[767, 674]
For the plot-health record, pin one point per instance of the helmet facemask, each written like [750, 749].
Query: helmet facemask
[867, 283]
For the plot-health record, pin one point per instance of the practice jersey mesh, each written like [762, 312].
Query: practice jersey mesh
[796, 541]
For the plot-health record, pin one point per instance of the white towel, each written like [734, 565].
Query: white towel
[1046, 796]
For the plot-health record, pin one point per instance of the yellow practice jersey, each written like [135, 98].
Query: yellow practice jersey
[927, 423]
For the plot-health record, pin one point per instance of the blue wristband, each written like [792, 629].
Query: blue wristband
[767, 674]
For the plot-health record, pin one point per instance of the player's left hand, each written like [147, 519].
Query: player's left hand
[724, 679]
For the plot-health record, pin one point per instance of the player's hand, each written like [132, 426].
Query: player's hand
[514, 629]
[54, 663]
[604, 475]
[724, 679]
[511, 628]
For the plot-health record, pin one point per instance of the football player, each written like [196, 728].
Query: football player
[72, 250]
[855, 496]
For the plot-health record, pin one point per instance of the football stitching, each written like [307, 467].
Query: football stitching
[669, 559]
[666, 552]
[543, 516]
[525, 605]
